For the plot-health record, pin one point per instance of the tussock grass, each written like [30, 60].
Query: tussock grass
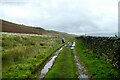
[21, 56]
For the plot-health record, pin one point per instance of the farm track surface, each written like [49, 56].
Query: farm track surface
[65, 66]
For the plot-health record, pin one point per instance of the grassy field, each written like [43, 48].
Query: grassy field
[22, 55]
[64, 66]
[97, 66]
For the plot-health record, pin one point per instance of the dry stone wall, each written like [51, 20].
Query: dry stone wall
[108, 47]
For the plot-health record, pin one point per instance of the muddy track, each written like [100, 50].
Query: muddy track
[48, 65]
[80, 70]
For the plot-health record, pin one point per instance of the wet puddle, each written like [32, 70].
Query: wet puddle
[73, 46]
[80, 69]
[50, 63]
[69, 44]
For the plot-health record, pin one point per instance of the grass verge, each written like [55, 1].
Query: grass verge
[97, 66]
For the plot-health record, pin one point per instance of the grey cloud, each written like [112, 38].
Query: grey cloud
[71, 16]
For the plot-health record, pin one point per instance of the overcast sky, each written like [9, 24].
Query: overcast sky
[71, 16]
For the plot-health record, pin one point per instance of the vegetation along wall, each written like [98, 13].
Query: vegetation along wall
[108, 47]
